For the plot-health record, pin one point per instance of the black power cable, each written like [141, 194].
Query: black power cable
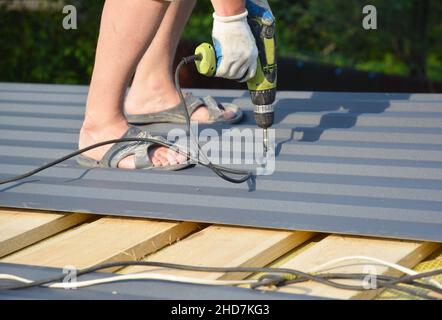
[287, 276]
[177, 267]
[381, 282]
[218, 170]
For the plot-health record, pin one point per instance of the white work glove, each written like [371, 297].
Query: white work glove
[235, 47]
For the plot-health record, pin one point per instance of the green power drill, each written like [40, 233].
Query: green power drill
[262, 86]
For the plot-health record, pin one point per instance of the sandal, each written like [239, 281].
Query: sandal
[121, 150]
[175, 114]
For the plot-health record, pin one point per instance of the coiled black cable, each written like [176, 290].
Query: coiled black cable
[285, 276]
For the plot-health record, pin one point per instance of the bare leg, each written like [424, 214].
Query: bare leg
[153, 87]
[127, 28]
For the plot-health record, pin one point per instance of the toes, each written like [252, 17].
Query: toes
[156, 157]
[162, 156]
[155, 161]
[175, 157]
[172, 157]
[180, 158]
[202, 114]
[167, 156]
[163, 160]
[161, 153]
[228, 114]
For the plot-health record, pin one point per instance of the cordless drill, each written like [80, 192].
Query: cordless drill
[262, 86]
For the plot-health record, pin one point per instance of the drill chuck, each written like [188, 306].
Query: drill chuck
[263, 97]
[264, 115]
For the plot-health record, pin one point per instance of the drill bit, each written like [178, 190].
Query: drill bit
[266, 141]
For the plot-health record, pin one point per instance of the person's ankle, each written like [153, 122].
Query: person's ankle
[93, 131]
[101, 123]
[152, 95]
[156, 82]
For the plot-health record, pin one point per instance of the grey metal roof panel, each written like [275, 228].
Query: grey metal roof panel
[129, 290]
[364, 164]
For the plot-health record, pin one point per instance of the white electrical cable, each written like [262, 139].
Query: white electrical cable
[398, 267]
[5, 276]
[137, 276]
[154, 276]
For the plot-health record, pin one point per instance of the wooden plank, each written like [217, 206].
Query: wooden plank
[405, 253]
[20, 228]
[104, 240]
[433, 262]
[226, 246]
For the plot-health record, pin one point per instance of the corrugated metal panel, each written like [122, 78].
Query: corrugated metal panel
[130, 290]
[365, 164]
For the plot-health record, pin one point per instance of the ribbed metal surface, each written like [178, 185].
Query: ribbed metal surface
[365, 164]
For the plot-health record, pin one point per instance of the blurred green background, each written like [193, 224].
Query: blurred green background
[35, 48]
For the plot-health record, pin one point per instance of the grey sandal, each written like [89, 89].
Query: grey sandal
[175, 114]
[121, 150]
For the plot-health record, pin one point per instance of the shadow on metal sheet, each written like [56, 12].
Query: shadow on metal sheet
[339, 114]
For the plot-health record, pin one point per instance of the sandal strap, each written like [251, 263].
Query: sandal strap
[142, 159]
[121, 150]
[175, 114]
[192, 103]
[215, 112]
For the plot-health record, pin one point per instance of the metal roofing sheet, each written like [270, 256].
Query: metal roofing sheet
[365, 164]
[130, 290]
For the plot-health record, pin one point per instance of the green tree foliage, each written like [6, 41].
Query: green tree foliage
[407, 42]
[35, 48]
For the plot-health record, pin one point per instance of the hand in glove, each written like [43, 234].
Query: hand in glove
[235, 47]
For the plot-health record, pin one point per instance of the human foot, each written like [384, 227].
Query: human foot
[92, 134]
[150, 101]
